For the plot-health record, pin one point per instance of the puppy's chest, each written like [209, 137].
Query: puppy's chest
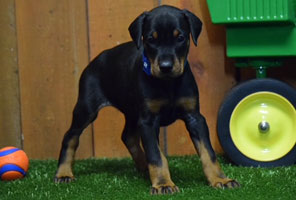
[171, 109]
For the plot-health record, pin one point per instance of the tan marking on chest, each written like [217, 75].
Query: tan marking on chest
[154, 105]
[155, 35]
[188, 103]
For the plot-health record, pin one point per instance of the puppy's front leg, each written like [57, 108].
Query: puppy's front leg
[157, 163]
[198, 129]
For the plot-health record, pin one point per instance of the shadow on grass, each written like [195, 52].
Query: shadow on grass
[184, 172]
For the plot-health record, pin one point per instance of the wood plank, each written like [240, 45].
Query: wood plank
[213, 75]
[108, 22]
[10, 122]
[53, 51]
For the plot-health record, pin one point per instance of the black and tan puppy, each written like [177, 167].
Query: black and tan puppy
[150, 81]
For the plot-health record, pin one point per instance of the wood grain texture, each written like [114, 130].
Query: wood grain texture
[213, 76]
[10, 122]
[53, 50]
[109, 22]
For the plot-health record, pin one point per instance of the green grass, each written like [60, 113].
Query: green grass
[118, 179]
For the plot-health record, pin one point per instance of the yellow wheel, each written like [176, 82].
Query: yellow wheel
[262, 126]
[257, 123]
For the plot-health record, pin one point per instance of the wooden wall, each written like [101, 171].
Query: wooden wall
[44, 47]
[10, 123]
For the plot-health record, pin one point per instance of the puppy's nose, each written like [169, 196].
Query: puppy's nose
[166, 66]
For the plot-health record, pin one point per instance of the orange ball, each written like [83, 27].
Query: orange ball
[14, 163]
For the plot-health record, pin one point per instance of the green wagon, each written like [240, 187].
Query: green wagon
[257, 120]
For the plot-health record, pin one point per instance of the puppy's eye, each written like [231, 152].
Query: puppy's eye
[180, 38]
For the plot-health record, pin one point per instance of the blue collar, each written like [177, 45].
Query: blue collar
[146, 64]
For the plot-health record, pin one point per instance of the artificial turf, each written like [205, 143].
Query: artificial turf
[118, 179]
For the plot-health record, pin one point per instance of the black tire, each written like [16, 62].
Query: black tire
[230, 102]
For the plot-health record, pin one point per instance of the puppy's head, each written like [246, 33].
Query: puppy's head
[164, 33]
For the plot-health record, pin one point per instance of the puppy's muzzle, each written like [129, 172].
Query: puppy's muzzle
[166, 64]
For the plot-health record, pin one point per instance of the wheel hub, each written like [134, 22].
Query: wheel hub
[263, 127]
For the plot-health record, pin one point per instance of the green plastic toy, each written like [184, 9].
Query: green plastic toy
[257, 120]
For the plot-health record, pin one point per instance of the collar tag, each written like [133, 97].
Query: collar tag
[146, 64]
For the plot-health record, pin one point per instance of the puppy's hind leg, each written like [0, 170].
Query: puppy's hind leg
[90, 100]
[131, 139]
[82, 117]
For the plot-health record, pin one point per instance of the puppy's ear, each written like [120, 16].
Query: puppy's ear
[194, 23]
[136, 29]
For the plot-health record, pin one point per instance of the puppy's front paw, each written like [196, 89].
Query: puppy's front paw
[64, 174]
[225, 183]
[164, 189]
[64, 179]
